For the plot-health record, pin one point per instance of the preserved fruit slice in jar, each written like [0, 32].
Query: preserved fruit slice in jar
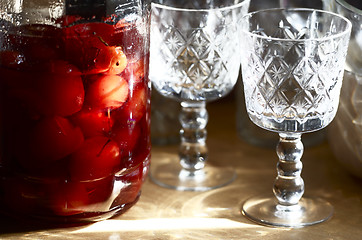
[126, 136]
[135, 107]
[101, 191]
[87, 46]
[94, 122]
[51, 139]
[118, 62]
[54, 88]
[108, 91]
[98, 157]
[135, 71]
[61, 87]
[131, 39]
[68, 198]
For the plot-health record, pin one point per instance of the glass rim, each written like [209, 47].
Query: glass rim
[349, 7]
[311, 10]
[177, 9]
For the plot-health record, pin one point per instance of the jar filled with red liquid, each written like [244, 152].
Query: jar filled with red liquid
[74, 107]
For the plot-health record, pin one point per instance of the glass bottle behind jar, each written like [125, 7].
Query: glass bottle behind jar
[345, 133]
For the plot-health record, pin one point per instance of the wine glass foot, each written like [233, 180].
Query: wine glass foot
[267, 211]
[172, 175]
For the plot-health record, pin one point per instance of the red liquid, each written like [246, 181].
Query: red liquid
[74, 120]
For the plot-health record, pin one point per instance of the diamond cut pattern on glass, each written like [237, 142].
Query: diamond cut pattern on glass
[174, 40]
[277, 70]
[292, 80]
[194, 54]
[197, 56]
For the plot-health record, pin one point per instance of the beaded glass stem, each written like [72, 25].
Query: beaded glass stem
[292, 65]
[193, 60]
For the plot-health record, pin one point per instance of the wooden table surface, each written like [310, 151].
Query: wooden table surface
[168, 214]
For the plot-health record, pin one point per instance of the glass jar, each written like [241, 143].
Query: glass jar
[74, 108]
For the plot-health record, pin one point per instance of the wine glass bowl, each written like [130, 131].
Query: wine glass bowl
[193, 61]
[292, 65]
[197, 48]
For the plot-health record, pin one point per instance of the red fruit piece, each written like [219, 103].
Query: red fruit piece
[28, 100]
[136, 71]
[59, 67]
[119, 61]
[101, 191]
[142, 149]
[68, 198]
[97, 158]
[51, 139]
[96, 59]
[87, 46]
[61, 89]
[126, 136]
[108, 91]
[55, 88]
[136, 106]
[93, 122]
[131, 40]
[40, 52]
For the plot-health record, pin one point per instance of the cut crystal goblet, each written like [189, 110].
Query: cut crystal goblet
[292, 65]
[193, 60]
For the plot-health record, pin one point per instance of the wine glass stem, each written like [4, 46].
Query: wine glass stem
[193, 151]
[288, 185]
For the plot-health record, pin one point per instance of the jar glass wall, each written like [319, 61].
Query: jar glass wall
[75, 107]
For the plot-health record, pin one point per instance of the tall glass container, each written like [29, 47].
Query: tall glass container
[345, 133]
[74, 107]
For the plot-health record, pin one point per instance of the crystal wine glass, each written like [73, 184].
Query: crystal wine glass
[193, 60]
[292, 66]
